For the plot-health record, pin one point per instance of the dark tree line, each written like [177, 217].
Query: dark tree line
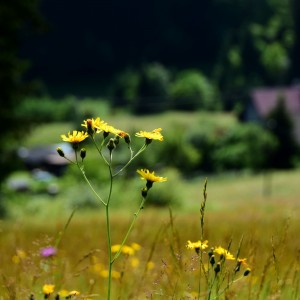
[237, 43]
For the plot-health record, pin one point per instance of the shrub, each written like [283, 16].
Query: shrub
[192, 90]
[244, 146]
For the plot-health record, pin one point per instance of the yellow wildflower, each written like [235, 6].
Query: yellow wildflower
[93, 126]
[134, 262]
[150, 177]
[150, 265]
[125, 249]
[75, 138]
[197, 245]
[63, 293]
[224, 253]
[135, 246]
[48, 289]
[152, 135]
[74, 293]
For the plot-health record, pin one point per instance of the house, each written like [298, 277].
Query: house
[263, 100]
[45, 157]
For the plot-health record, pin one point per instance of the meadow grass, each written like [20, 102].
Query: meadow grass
[164, 268]
[253, 217]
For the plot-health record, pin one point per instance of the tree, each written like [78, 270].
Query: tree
[17, 19]
[281, 125]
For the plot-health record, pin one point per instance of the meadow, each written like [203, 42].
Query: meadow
[253, 216]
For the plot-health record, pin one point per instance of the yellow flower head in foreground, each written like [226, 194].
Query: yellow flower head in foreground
[224, 253]
[197, 245]
[48, 289]
[150, 177]
[92, 125]
[75, 138]
[152, 135]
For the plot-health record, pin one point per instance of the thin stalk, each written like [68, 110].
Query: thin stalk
[202, 211]
[110, 261]
[132, 157]
[136, 214]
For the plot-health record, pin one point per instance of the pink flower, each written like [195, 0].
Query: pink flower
[48, 251]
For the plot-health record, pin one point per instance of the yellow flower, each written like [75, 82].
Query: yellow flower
[48, 289]
[93, 125]
[241, 261]
[135, 246]
[107, 128]
[74, 293]
[150, 265]
[75, 138]
[134, 262]
[20, 255]
[197, 245]
[152, 135]
[125, 249]
[223, 252]
[63, 293]
[150, 177]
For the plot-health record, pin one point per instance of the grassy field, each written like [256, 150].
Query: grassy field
[235, 208]
[251, 216]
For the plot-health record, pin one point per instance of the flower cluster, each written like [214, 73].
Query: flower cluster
[223, 253]
[49, 289]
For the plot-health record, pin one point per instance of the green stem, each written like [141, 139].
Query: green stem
[136, 214]
[110, 261]
[132, 157]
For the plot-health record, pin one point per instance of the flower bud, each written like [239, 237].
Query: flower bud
[212, 260]
[60, 152]
[127, 139]
[111, 145]
[144, 192]
[217, 268]
[247, 272]
[83, 153]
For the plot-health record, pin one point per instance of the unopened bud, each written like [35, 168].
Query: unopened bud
[111, 145]
[116, 140]
[83, 153]
[127, 139]
[212, 260]
[247, 272]
[60, 152]
[144, 192]
[217, 268]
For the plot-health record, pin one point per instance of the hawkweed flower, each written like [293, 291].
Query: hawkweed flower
[48, 289]
[197, 246]
[75, 138]
[150, 177]
[125, 249]
[224, 253]
[92, 125]
[72, 293]
[107, 129]
[48, 251]
[151, 135]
